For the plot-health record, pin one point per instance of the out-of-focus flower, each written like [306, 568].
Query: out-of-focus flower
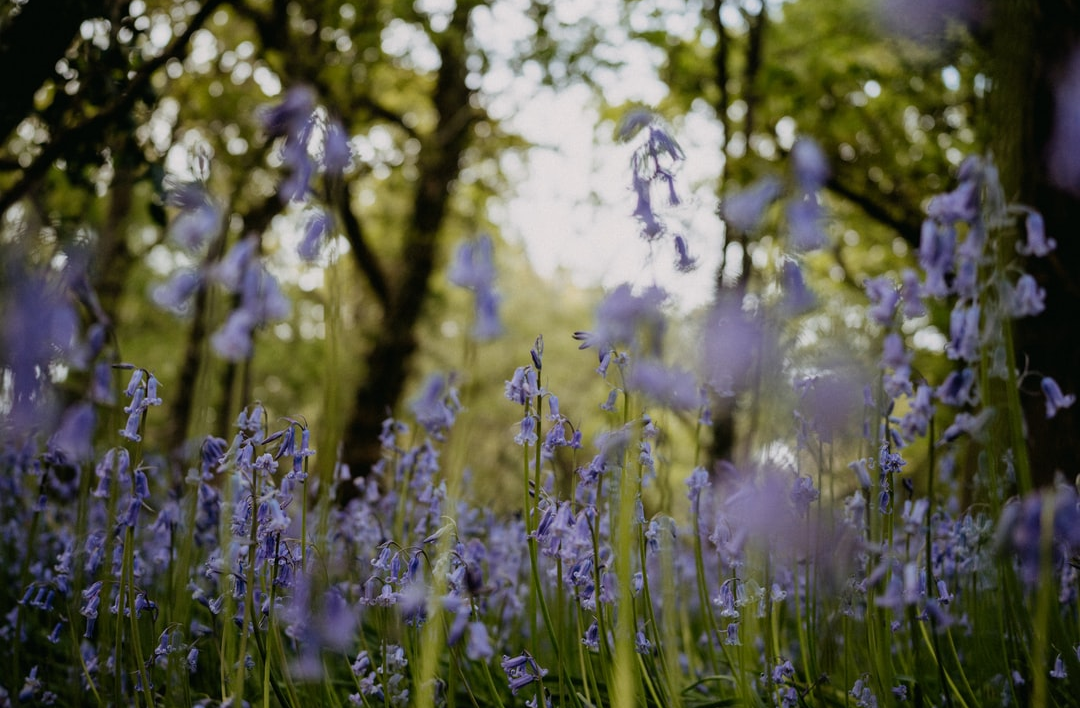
[316, 230]
[1020, 529]
[473, 268]
[937, 249]
[884, 298]
[628, 318]
[730, 342]
[74, 436]
[810, 165]
[743, 211]
[175, 294]
[674, 387]
[1026, 298]
[200, 217]
[964, 332]
[336, 151]
[1063, 162]
[1036, 243]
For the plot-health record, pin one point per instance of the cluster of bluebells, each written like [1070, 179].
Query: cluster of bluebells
[312, 142]
[45, 309]
[151, 576]
[956, 251]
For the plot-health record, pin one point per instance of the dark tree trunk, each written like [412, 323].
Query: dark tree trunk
[1032, 42]
[395, 342]
[30, 45]
[724, 437]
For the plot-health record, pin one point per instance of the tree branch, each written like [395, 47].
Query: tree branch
[365, 258]
[89, 130]
[907, 227]
[33, 39]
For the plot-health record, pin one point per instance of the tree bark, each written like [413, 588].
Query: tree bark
[34, 40]
[395, 343]
[1031, 42]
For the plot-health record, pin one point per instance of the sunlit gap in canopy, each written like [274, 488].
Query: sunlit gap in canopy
[572, 204]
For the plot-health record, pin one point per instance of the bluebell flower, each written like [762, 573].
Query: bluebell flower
[291, 114]
[890, 462]
[725, 599]
[337, 154]
[697, 481]
[436, 407]
[1055, 399]
[968, 424]
[961, 204]
[797, 297]
[783, 672]
[473, 265]
[730, 342]
[966, 282]
[731, 634]
[31, 686]
[1026, 298]
[229, 271]
[479, 647]
[804, 222]
[653, 162]
[625, 317]
[633, 122]
[864, 697]
[74, 436]
[811, 167]
[1020, 529]
[1063, 164]
[964, 332]
[261, 295]
[911, 294]
[743, 211]
[200, 217]
[487, 325]
[803, 494]
[316, 230]
[914, 515]
[1059, 671]
[527, 436]
[592, 637]
[233, 340]
[937, 250]
[523, 386]
[684, 263]
[895, 355]
[1036, 243]
[884, 298]
[521, 671]
[916, 421]
[101, 384]
[609, 404]
[176, 293]
[958, 388]
[674, 387]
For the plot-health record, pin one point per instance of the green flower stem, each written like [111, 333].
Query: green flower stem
[1044, 601]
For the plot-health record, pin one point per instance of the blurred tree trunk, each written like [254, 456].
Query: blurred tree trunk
[395, 342]
[730, 294]
[34, 39]
[1031, 43]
